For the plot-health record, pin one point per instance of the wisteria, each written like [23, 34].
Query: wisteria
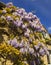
[31, 50]
[9, 4]
[24, 26]
[9, 18]
[4, 11]
[18, 23]
[37, 47]
[26, 36]
[13, 42]
[25, 47]
[42, 52]
[21, 12]
[15, 14]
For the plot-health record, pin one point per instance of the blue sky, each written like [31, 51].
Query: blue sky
[42, 8]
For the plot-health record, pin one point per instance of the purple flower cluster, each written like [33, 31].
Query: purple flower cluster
[42, 49]
[32, 19]
[27, 50]
[24, 26]
[9, 18]
[10, 4]
[24, 46]
[26, 34]
[21, 16]
[20, 11]
[31, 50]
[45, 49]
[18, 23]
[23, 50]
[15, 43]
[42, 52]
[4, 11]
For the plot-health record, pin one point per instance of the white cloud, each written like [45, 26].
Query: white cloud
[49, 28]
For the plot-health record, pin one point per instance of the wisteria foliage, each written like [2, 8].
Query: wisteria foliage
[22, 37]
